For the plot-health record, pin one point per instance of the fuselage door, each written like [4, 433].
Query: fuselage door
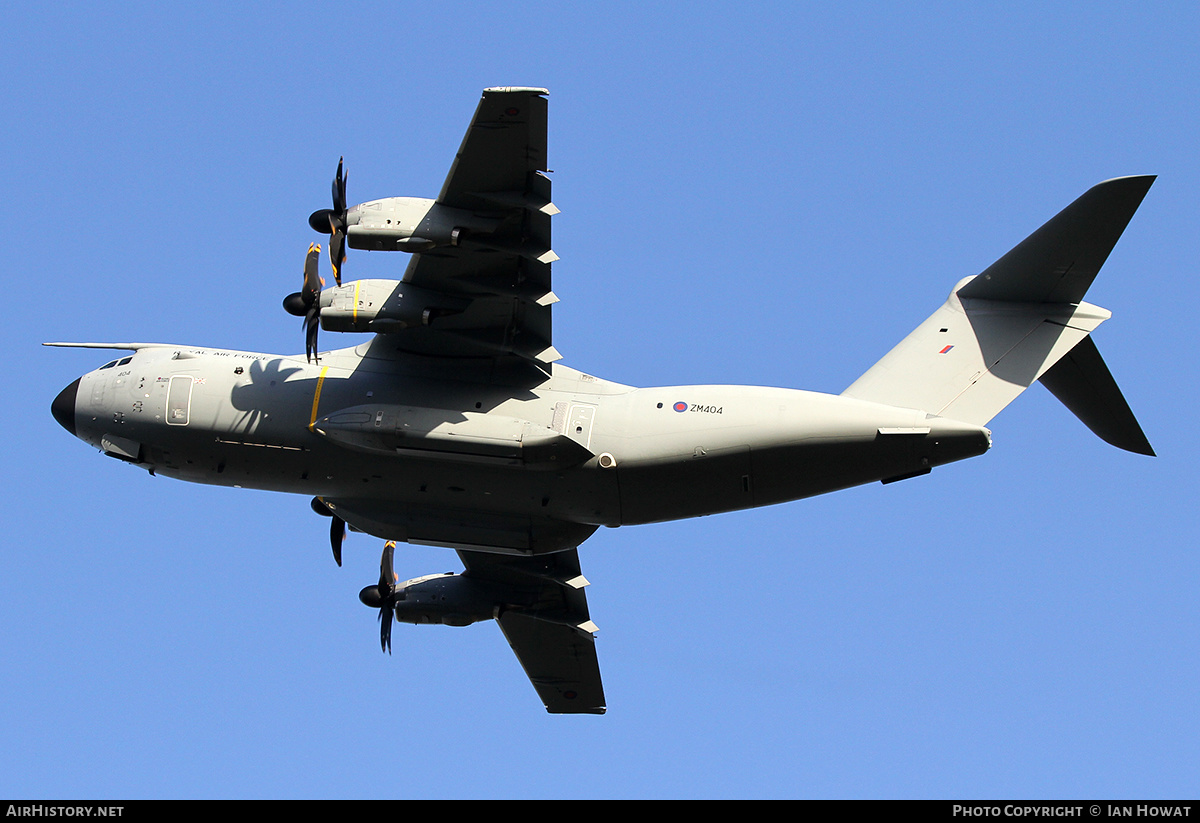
[179, 400]
[99, 383]
[579, 424]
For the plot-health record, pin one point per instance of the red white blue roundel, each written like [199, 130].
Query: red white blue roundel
[681, 406]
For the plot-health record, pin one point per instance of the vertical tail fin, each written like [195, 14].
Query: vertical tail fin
[1000, 331]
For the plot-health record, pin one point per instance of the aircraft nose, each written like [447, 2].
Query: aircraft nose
[63, 407]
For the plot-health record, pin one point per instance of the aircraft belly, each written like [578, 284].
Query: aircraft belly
[744, 448]
[709, 481]
[582, 495]
[784, 473]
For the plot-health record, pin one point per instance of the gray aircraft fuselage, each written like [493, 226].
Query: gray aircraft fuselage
[453, 424]
[401, 434]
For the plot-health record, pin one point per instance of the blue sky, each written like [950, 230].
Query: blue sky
[766, 194]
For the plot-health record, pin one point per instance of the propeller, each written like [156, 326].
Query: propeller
[337, 536]
[383, 597]
[333, 221]
[306, 303]
[337, 527]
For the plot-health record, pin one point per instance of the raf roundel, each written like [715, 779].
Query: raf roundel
[681, 406]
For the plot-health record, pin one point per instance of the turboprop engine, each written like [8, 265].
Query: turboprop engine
[374, 306]
[449, 599]
[383, 306]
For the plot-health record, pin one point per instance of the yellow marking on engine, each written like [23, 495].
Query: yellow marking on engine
[357, 283]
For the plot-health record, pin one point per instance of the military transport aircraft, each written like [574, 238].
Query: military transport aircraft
[452, 424]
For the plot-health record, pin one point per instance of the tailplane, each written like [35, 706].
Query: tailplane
[1022, 319]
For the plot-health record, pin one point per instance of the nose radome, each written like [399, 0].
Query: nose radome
[63, 407]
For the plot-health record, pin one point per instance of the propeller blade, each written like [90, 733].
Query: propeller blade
[339, 191]
[310, 295]
[337, 252]
[312, 327]
[337, 536]
[337, 224]
[329, 221]
[385, 629]
[383, 597]
[312, 274]
[387, 576]
[387, 594]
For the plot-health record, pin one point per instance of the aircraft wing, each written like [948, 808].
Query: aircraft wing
[552, 634]
[499, 173]
[504, 145]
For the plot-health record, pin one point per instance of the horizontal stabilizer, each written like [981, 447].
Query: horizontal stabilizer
[1059, 261]
[1022, 319]
[1082, 382]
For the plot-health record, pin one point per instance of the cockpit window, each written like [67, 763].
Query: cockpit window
[120, 362]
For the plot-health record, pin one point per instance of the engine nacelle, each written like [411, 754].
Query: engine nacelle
[412, 224]
[383, 306]
[449, 599]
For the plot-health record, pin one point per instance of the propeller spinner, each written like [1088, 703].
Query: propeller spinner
[333, 221]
